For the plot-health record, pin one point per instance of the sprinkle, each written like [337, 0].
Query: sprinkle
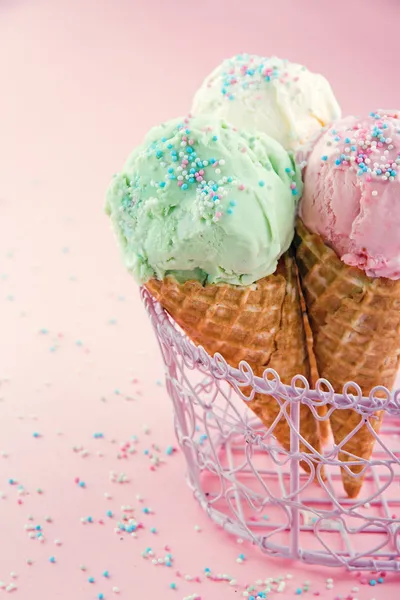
[91, 580]
[374, 193]
[172, 586]
[100, 596]
[115, 590]
[52, 559]
[106, 574]
[372, 582]
[36, 434]
[109, 513]
[82, 484]
[261, 183]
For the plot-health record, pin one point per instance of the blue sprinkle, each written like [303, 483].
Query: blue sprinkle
[324, 157]
[211, 161]
[163, 139]
[159, 154]
[162, 184]
[337, 161]
[347, 140]
[100, 596]
[372, 582]
[380, 580]
[106, 574]
[207, 570]
[12, 481]
[294, 192]
[299, 591]
[91, 580]
[287, 170]
[185, 186]
[36, 434]
[172, 586]
[191, 179]
[261, 183]
[169, 450]
[171, 170]
[146, 510]
[354, 148]
[379, 171]
[109, 513]
[82, 484]
[89, 519]
[189, 150]
[52, 559]
[38, 527]
[232, 203]
[153, 530]
[214, 188]
[229, 211]
[214, 138]
[169, 146]
[146, 452]
[168, 563]
[187, 131]
[230, 180]
[242, 556]
[192, 171]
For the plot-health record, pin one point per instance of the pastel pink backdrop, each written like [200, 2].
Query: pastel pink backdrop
[80, 83]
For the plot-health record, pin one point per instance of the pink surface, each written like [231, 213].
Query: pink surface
[81, 83]
[351, 192]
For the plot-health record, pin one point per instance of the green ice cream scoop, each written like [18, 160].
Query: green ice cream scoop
[201, 200]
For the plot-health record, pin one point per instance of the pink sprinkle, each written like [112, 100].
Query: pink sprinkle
[180, 183]
[383, 574]
[167, 548]
[191, 142]
[364, 580]
[292, 186]
[152, 468]
[218, 214]
[185, 161]
[368, 178]
[20, 501]
[197, 579]
[199, 178]
[241, 187]
[394, 516]
[184, 139]
[178, 574]
[101, 522]
[76, 479]
[201, 172]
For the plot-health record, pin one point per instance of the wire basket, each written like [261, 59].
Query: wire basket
[255, 489]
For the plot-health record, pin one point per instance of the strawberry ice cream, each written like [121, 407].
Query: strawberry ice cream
[352, 192]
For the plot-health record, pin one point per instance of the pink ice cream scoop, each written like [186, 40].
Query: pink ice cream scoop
[351, 192]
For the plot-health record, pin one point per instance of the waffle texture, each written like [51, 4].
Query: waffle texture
[261, 324]
[355, 321]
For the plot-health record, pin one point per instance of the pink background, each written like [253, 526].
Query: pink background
[81, 82]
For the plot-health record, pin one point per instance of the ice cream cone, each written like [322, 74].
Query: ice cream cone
[260, 323]
[355, 320]
[324, 428]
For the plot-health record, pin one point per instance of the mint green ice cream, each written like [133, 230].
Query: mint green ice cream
[200, 200]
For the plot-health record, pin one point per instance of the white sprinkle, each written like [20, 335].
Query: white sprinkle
[13, 575]
[11, 587]
[115, 590]
[374, 193]
[2, 585]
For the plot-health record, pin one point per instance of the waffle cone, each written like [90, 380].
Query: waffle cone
[261, 324]
[355, 321]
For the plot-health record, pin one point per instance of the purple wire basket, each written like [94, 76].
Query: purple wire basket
[252, 487]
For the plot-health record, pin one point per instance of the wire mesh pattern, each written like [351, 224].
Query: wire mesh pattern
[255, 489]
